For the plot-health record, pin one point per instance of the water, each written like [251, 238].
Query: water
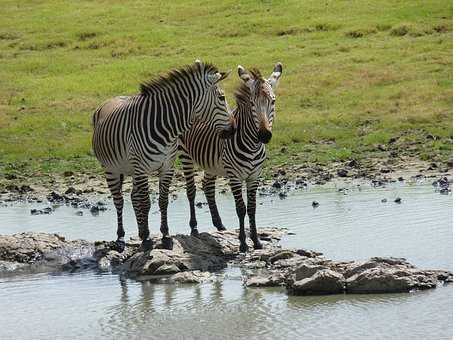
[90, 305]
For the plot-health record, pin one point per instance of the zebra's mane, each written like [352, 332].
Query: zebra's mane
[174, 75]
[243, 93]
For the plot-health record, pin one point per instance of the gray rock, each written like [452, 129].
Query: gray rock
[379, 280]
[195, 276]
[322, 282]
[47, 251]
[272, 280]
[306, 270]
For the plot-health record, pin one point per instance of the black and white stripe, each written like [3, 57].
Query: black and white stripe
[137, 135]
[241, 158]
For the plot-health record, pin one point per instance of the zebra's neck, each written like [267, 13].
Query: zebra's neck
[246, 136]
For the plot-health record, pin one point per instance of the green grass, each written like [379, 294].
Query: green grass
[356, 72]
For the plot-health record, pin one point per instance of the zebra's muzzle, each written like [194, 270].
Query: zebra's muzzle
[264, 136]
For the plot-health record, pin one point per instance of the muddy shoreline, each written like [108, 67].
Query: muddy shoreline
[88, 191]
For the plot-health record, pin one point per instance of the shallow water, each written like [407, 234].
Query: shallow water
[356, 225]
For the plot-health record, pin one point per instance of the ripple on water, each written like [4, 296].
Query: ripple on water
[352, 226]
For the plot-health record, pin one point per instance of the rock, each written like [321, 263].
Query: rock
[273, 280]
[167, 269]
[79, 213]
[342, 173]
[285, 254]
[384, 200]
[282, 195]
[302, 271]
[43, 250]
[301, 182]
[398, 200]
[70, 190]
[194, 276]
[306, 270]
[277, 185]
[353, 163]
[324, 281]
[308, 253]
[314, 204]
[380, 280]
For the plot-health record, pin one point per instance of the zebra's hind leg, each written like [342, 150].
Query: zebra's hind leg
[164, 186]
[209, 191]
[142, 204]
[236, 188]
[188, 169]
[115, 184]
[252, 186]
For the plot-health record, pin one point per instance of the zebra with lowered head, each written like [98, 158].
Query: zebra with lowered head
[241, 158]
[137, 135]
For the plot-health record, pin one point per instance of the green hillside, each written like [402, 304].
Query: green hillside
[357, 74]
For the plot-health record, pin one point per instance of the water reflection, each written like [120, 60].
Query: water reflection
[357, 225]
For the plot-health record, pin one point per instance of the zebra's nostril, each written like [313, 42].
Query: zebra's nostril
[264, 136]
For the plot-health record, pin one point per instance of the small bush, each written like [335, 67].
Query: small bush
[86, 35]
[400, 31]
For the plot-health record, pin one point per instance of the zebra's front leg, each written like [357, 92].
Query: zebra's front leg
[115, 184]
[209, 191]
[164, 186]
[252, 186]
[188, 170]
[236, 188]
[142, 204]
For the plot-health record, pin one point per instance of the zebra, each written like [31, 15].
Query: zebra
[137, 135]
[240, 158]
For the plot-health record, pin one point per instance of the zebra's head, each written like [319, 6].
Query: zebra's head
[262, 98]
[212, 107]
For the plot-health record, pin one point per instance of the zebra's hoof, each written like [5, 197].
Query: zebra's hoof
[243, 248]
[167, 242]
[120, 245]
[194, 232]
[257, 245]
[147, 244]
[221, 228]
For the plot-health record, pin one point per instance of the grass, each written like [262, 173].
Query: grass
[356, 73]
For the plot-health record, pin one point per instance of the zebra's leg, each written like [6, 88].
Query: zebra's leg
[236, 188]
[115, 184]
[142, 204]
[164, 186]
[252, 186]
[209, 191]
[188, 169]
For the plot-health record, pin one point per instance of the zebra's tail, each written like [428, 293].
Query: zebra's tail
[96, 115]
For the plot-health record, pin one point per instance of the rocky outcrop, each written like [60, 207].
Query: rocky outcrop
[41, 251]
[193, 259]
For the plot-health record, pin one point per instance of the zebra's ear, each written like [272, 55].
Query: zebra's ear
[245, 76]
[219, 76]
[197, 61]
[276, 74]
[224, 75]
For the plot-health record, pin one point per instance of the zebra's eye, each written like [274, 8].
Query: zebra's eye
[273, 102]
[222, 97]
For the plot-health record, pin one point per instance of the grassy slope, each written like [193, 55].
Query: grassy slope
[356, 73]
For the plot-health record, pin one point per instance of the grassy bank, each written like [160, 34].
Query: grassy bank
[360, 77]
